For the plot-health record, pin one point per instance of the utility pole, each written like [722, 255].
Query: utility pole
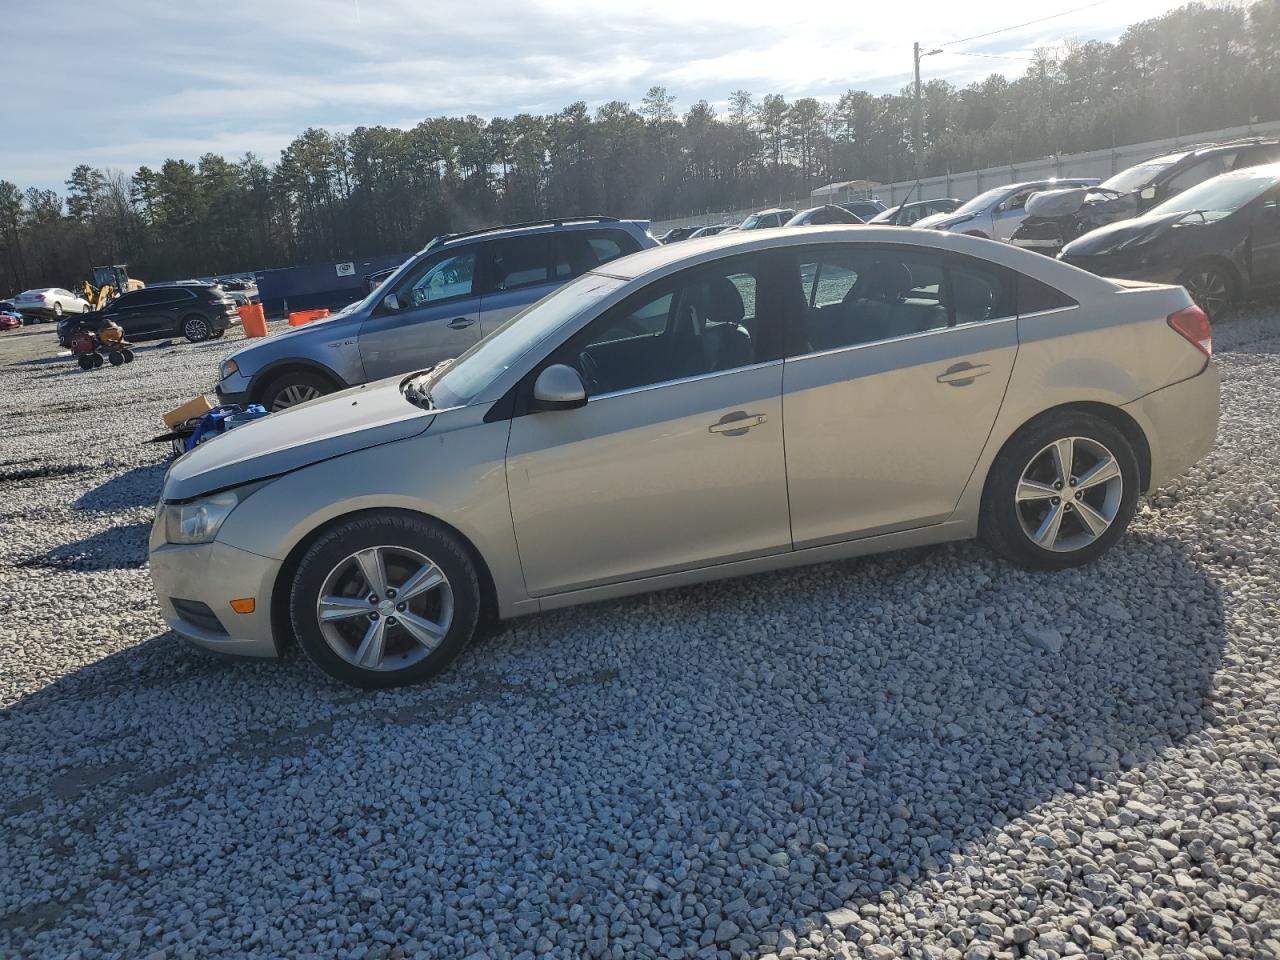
[919, 109]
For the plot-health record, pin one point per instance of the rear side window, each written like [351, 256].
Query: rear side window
[1037, 297]
[979, 291]
[521, 261]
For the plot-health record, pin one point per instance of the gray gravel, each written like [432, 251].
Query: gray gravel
[927, 754]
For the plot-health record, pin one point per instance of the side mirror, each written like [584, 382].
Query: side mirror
[391, 302]
[1148, 193]
[559, 387]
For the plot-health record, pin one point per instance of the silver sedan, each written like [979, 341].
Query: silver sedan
[708, 409]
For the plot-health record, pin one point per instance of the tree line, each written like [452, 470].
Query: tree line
[376, 190]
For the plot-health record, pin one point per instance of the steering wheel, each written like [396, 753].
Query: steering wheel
[591, 373]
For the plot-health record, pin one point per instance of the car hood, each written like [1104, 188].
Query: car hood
[322, 429]
[943, 221]
[1111, 237]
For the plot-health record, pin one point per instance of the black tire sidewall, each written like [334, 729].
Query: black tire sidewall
[385, 529]
[1228, 280]
[999, 525]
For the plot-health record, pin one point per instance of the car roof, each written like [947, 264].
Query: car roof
[654, 262]
[533, 228]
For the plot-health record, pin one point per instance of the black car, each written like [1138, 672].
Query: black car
[1056, 217]
[197, 311]
[676, 234]
[905, 214]
[1220, 240]
[864, 209]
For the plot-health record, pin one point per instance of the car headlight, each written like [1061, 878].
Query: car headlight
[199, 520]
[229, 367]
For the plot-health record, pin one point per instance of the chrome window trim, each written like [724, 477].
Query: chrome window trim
[906, 336]
[1046, 313]
[694, 379]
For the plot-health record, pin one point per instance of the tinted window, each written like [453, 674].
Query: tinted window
[701, 321]
[444, 276]
[1267, 153]
[142, 298]
[1034, 296]
[520, 261]
[978, 291]
[862, 294]
[581, 250]
[1199, 172]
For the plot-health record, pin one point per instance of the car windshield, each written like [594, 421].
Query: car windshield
[983, 200]
[1126, 181]
[1217, 198]
[750, 222]
[464, 379]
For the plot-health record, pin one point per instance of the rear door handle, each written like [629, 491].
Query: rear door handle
[737, 423]
[461, 323]
[963, 374]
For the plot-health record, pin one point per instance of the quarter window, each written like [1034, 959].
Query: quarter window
[703, 321]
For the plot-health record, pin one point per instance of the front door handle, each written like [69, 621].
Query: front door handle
[963, 374]
[461, 323]
[737, 423]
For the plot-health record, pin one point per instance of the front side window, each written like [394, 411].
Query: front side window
[444, 276]
[859, 294]
[702, 321]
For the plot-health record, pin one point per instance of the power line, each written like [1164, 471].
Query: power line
[1019, 26]
[989, 56]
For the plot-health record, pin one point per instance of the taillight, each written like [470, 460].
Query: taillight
[1193, 324]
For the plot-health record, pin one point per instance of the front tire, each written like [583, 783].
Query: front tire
[295, 387]
[196, 328]
[1060, 493]
[385, 599]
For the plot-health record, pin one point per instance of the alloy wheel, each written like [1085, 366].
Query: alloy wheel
[196, 329]
[294, 394]
[1069, 494]
[1209, 289]
[385, 608]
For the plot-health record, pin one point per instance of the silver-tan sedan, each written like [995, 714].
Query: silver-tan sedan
[708, 409]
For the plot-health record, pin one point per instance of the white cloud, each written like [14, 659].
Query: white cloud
[184, 79]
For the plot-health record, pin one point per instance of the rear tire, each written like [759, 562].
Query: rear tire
[414, 635]
[1212, 286]
[295, 387]
[1043, 515]
[115, 358]
[195, 328]
[85, 361]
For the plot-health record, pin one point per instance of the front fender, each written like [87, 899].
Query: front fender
[454, 472]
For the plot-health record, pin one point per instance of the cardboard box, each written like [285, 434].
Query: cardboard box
[195, 407]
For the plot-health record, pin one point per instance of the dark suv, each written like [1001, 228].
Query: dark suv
[1056, 217]
[197, 311]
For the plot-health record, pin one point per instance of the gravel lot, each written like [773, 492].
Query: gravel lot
[927, 754]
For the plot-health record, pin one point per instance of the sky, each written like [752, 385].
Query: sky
[121, 83]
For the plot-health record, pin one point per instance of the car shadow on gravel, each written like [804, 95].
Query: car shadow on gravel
[762, 756]
[138, 487]
[119, 548]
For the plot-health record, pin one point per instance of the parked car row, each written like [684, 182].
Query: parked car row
[625, 431]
